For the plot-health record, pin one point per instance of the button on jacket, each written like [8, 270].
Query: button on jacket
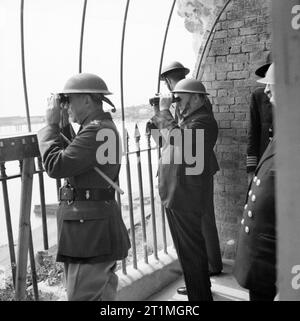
[88, 231]
[255, 263]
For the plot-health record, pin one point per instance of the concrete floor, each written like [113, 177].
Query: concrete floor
[224, 288]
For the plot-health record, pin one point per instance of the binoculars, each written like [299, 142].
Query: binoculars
[63, 99]
[154, 101]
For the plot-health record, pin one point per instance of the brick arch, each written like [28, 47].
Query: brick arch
[240, 44]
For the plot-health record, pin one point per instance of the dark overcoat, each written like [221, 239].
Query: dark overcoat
[178, 190]
[260, 129]
[88, 231]
[255, 263]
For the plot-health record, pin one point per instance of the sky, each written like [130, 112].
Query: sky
[52, 35]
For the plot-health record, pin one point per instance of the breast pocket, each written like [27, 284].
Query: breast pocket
[89, 237]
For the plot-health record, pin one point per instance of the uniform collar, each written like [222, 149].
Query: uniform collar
[96, 115]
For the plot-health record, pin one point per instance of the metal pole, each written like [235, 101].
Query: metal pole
[23, 65]
[81, 35]
[126, 140]
[8, 224]
[148, 136]
[43, 204]
[131, 216]
[164, 44]
[32, 265]
[141, 193]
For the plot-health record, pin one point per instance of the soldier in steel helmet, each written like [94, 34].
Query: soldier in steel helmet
[91, 233]
[184, 193]
[171, 74]
[255, 263]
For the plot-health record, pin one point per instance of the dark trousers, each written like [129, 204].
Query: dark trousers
[256, 295]
[186, 231]
[210, 232]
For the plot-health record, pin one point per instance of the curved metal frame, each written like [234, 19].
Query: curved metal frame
[164, 44]
[81, 35]
[23, 65]
[209, 36]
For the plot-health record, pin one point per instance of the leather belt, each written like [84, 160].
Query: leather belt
[71, 194]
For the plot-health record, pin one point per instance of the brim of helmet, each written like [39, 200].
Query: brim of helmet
[261, 71]
[162, 76]
[74, 91]
[266, 80]
[191, 92]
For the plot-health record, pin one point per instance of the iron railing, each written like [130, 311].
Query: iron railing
[24, 149]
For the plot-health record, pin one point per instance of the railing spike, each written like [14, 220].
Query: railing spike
[137, 134]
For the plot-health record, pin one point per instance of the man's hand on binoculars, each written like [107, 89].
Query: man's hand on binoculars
[165, 101]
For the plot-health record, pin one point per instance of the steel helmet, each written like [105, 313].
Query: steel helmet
[85, 83]
[190, 86]
[174, 65]
[269, 77]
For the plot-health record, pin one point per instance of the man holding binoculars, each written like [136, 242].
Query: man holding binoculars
[187, 198]
[171, 74]
[91, 233]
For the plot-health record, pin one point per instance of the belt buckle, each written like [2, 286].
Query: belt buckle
[66, 194]
[73, 196]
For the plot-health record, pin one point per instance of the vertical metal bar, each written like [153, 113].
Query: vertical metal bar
[8, 224]
[209, 36]
[24, 227]
[23, 65]
[286, 50]
[43, 204]
[32, 265]
[129, 191]
[141, 193]
[164, 44]
[126, 140]
[163, 218]
[120, 204]
[153, 215]
[81, 35]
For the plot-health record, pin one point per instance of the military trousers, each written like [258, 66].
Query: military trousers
[91, 281]
[186, 231]
[210, 232]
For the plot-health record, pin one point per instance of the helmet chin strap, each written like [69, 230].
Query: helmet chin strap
[110, 103]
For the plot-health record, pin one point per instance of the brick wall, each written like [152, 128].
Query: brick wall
[240, 44]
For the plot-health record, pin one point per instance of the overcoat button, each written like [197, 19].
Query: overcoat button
[245, 207]
[250, 193]
[255, 179]
[253, 198]
[247, 230]
[258, 182]
[81, 221]
[242, 221]
[250, 213]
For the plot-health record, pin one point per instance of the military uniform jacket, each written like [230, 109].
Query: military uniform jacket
[178, 190]
[260, 129]
[255, 263]
[88, 231]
